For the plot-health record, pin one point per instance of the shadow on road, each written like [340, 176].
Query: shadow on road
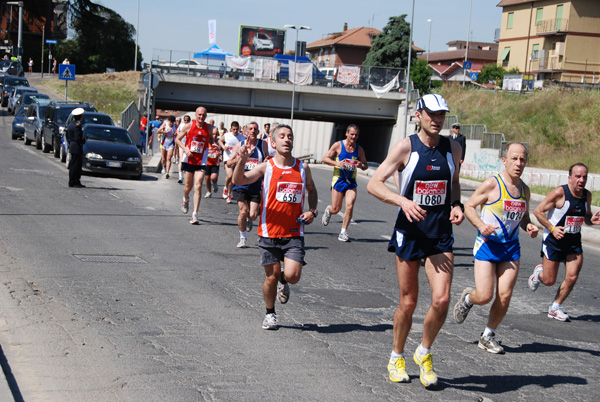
[494, 384]
[340, 328]
[537, 347]
[10, 379]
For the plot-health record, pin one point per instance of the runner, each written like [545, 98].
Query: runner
[212, 164]
[167, 135]
[187, 121]
[227, 142]
[247, 196]
[282, 217]
[429, 201]
[562, 213]
[504, 201]
[194, 158]
[345, 156]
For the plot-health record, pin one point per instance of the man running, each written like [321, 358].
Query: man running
[195, 153]
[345, 156]
[429, 201]
[282, 216]
[187, 121]
[248, 195]
[212, 164]
[562, 213]
[504, 201]
[228, 142]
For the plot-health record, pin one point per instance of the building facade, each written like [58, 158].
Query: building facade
[551, 39]
[348, 47]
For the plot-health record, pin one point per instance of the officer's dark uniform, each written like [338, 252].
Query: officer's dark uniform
[75, 140]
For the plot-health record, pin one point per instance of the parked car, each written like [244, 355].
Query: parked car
[56, 115]
[9, 82]
[12, 67]
[183, 66]
[87, 118]
[17, 124]
[14, 96]
[28, 97]
[32, 124]
[110, 150]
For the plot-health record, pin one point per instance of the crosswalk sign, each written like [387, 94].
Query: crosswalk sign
[66, 72]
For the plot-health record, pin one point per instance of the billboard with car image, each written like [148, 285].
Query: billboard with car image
[260, 41]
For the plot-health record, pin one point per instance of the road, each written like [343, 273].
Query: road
[109, 294]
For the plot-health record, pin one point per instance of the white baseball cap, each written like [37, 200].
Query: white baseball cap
[432, 103]
[78, 111]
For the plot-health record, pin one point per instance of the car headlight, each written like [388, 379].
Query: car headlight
[133, 159]
[91, 155]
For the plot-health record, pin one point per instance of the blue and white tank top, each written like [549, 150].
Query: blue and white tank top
[253, 160]
[571, 215]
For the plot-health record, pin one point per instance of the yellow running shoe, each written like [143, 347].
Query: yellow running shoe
[428, 377]
[397, 370]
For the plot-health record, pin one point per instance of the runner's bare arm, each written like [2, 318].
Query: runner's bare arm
[456, 214]
[241, 177]
[180, 136]
[526, 224]
[362, 158]
[479, 197]
[394, 162]
[589, 218]
[555, 198]
[234, 157]
[334, 151]
[313, 197]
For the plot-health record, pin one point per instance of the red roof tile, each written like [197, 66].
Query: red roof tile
[362, 36]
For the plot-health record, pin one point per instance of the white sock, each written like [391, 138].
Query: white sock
[421, 351]
[468, 301]
[186, 199]
[395, 355]
[243, 235]
[556, 306]
[488, 331]
[343, 231]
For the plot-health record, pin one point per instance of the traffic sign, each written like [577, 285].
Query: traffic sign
[468, 65]
[66, 72]
[155, 80]
[51, 41]
[474, 76]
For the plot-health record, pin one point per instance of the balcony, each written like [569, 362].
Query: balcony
[557, 26]
[550, 64]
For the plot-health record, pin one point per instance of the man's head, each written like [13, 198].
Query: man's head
[222, 124]
[211, 122]
[201, 114]
[578, 175]
[252, 130]
[267, 128]
[187, 118]
[514, 158]
[235, 128]
[352, 133]
[215, 133]
[273, 127]
[171, 119]
[282, 139]
[456, 128]
[77, 113]
[431, 113]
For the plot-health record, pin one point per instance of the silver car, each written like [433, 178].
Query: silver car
[15, 94]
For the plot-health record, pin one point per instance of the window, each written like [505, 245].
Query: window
[538, 16]
[559, 12]
[509, 23]
[535, 51]
[504, 58]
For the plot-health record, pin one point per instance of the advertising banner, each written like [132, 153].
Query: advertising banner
[348, 75]
[212, 32]
[259, 41]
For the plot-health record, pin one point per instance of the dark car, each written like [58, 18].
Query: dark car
[109, 149]
[26, 99]
[15, 93]
[87, 118]
[56, 115]
[17, 124]
[12, 67]
[32, 124]
[8, 83]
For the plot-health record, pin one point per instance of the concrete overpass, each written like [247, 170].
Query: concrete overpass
[377, 118]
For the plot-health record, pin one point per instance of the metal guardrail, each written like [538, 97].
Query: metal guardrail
[130, 119]
[553, 25]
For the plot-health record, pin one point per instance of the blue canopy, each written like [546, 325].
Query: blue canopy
[213, 52]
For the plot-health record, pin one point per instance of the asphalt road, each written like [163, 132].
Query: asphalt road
[108, 293]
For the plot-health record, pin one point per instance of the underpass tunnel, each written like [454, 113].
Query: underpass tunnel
[374, 136]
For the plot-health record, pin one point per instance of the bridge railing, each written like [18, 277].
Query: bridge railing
[183, 62]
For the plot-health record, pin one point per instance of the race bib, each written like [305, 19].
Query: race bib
[251, 163]
[430, 193]
[573, 224]
[197, 146]
[350, 164]
[513, 210]
[289, 192]
[213, 152]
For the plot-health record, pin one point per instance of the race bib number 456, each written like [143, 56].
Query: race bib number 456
[430, 193]
[289, 192]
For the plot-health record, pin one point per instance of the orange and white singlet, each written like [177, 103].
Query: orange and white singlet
[197, 140]
[282, 200]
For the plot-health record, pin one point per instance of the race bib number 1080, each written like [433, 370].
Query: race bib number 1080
[289, 192]
[430, 193]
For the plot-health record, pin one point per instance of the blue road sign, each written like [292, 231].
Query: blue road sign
[468, 65]
[66, 72]
[51, 41]
[474, 76]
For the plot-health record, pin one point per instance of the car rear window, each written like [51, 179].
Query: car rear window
[108, 134]
[98, 119]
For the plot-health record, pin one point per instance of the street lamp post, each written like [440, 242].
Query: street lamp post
[467, 49]
[295, 64]
[407, 91]
[20, 34]
[137, 34]
[429, 42]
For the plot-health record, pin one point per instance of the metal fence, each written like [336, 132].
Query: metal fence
[130, 119]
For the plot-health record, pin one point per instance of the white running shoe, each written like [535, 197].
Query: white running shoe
[207, 195]
[326, 217]
[243, 243]
[185, 206]
[283, 292]
[194, 220]
[534, 280]
[343, 237]
[558, 314]
[270, 322]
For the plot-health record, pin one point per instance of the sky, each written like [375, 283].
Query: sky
[182, 25]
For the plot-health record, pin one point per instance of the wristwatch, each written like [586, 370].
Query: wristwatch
[315, 212]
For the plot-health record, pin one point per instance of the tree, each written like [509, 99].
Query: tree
[491, 73]
[390, 47]
[420, 75]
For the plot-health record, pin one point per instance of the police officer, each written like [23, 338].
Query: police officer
[75, 140]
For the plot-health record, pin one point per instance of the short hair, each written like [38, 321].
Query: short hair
[508, 145]
[575, 165]
[352, 126]
[187, 116]
[279, 127]
[253, 122]
[235, 124]
[171, 119]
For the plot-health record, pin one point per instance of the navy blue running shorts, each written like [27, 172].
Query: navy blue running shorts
[416, 248]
